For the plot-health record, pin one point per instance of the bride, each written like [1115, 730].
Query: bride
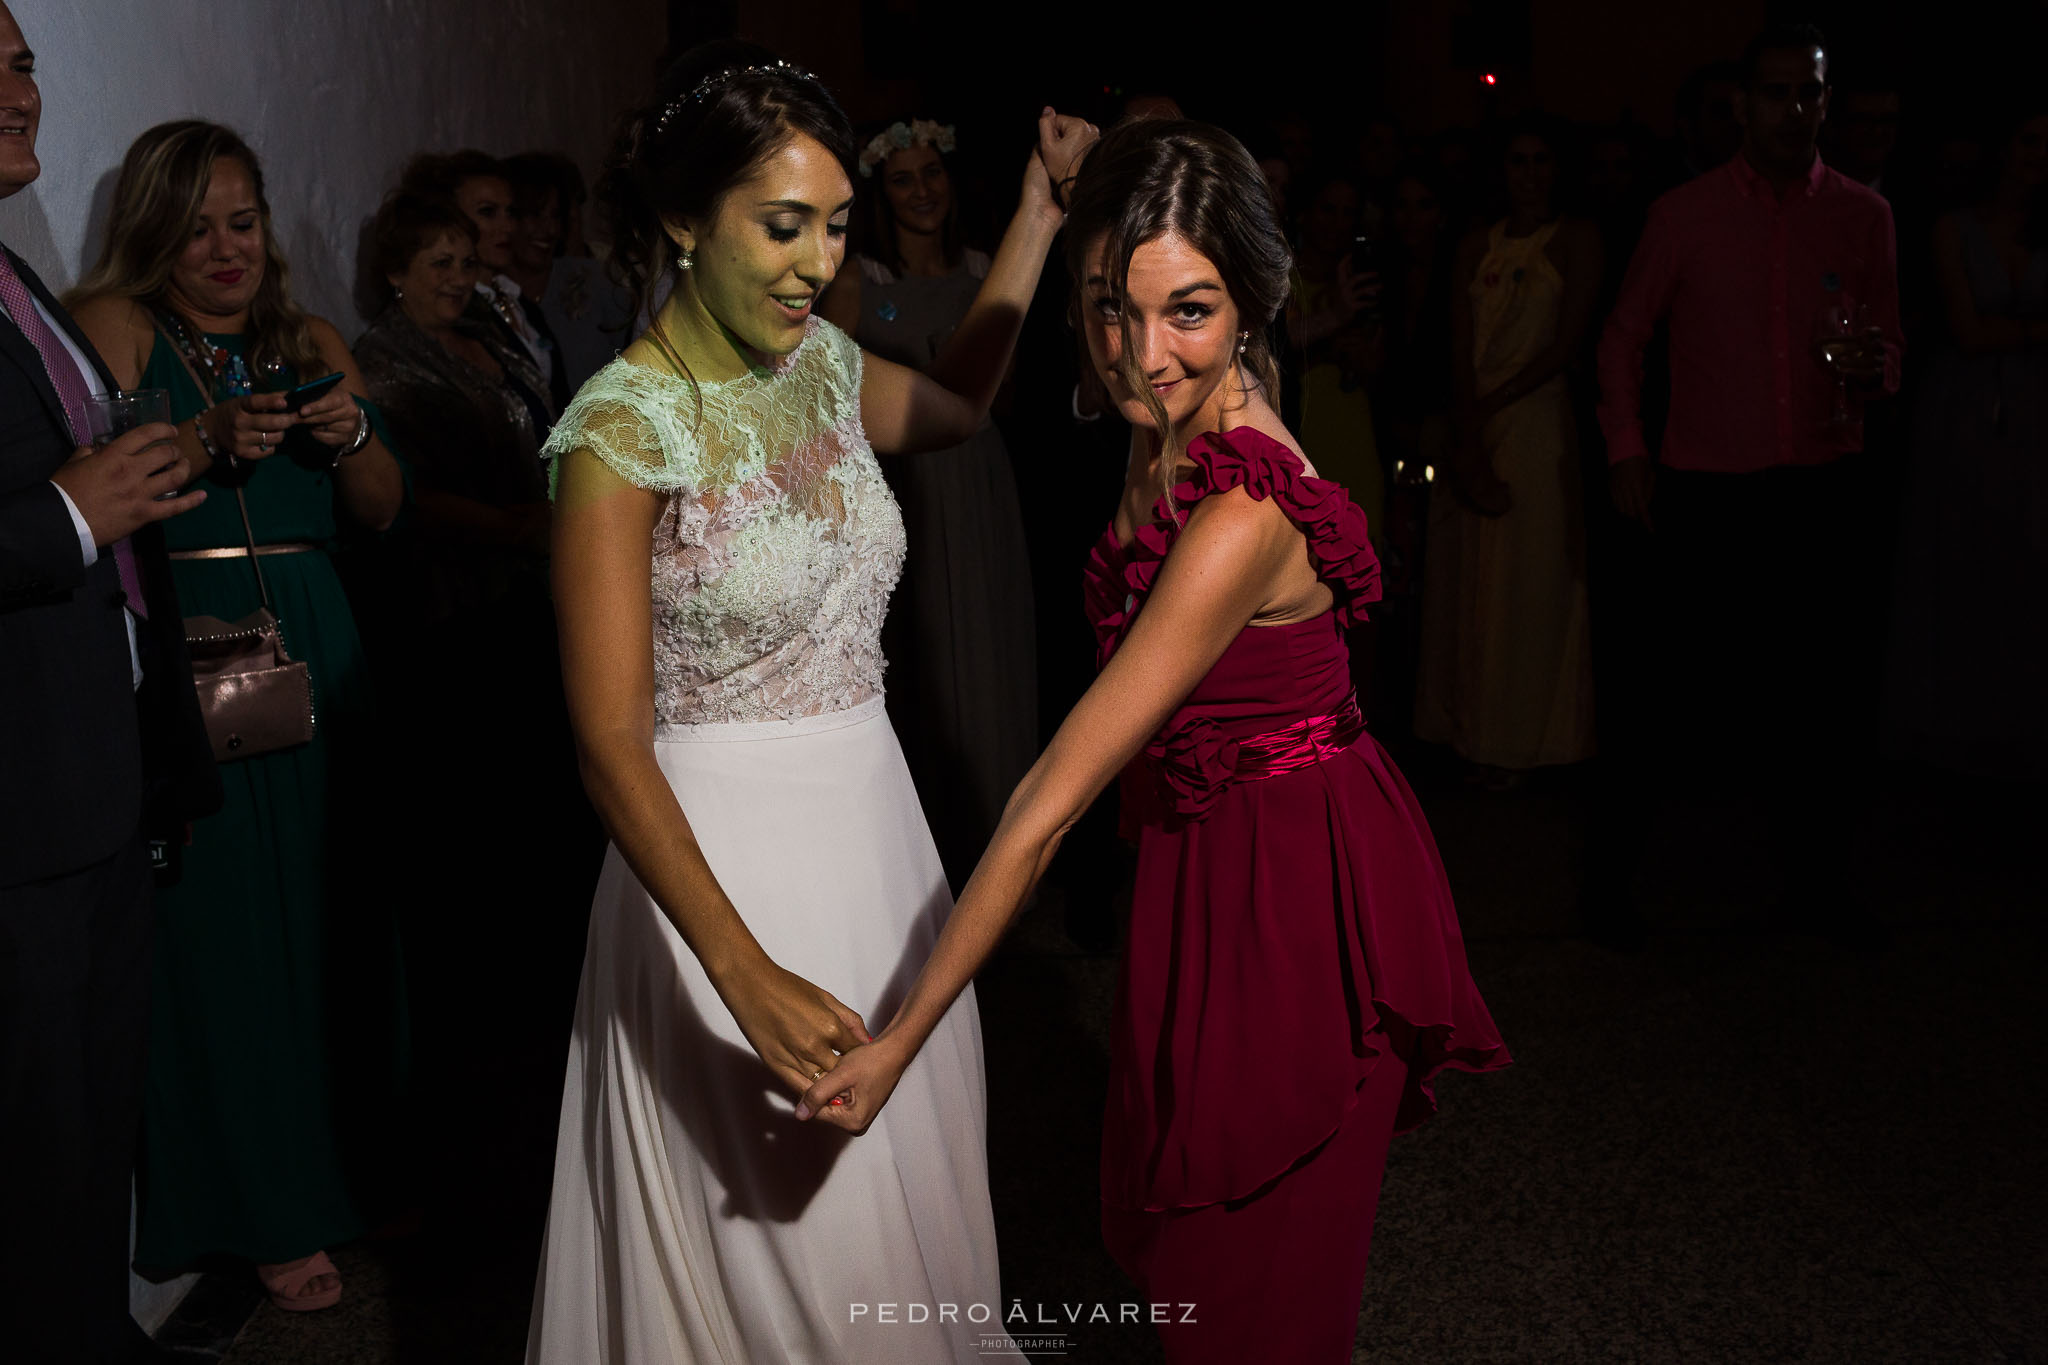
[724, 547]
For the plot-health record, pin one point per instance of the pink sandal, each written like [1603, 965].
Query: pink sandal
[286, 1284]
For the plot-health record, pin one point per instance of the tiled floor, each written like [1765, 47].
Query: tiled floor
[1737, 1146]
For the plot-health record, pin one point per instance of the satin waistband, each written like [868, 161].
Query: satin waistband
[1298, 745]
[726, 732]
[242, 551]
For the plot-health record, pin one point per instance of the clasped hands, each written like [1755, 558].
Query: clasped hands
[816, 1046]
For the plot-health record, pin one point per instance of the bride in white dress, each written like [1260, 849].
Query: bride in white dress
[724, 550]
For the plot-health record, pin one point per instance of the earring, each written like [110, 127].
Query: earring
[1244, 339]
[398, 291]
[686, 261]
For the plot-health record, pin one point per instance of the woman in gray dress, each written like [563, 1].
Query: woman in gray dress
[960, 634]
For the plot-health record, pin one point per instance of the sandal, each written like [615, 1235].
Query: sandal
[286, 1284]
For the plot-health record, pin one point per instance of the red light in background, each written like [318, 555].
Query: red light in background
[1489, 79]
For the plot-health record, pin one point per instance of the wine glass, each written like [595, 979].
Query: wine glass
[1837, 336]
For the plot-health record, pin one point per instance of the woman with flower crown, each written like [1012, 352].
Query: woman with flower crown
[960, 638]
[724, 547]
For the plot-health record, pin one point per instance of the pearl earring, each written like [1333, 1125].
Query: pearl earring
[1244, 339]
[398, 291]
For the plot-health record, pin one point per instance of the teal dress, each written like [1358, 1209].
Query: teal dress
[277, 1026]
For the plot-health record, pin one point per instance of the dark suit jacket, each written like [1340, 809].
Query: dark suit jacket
[85, 757]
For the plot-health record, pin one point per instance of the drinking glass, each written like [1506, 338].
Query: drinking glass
[108, 415]
[1836, 334]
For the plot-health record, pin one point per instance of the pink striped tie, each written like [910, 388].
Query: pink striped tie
[71, 391]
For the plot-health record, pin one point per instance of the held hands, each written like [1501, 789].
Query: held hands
[1063, 140]
[798, 1029]
[116, 486]
[852, 1093]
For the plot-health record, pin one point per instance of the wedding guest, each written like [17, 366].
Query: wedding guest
[273, 991]
[1506, 675]
[585, 314]
[1970, 657]
[1412, 416]
[961, 636]
[476, 184]
[105, 751]
[1294, 975]
[1863, 130]
[1332, 320]
[1751, 265]
[446, 382]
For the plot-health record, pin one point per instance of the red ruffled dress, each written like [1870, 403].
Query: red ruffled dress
[1291, 922]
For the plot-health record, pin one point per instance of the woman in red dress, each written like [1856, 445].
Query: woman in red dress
[1294, 975]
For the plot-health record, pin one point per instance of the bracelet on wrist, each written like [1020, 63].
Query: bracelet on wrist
[362, 436]
[206, 439]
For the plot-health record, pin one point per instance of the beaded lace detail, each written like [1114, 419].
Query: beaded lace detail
[780, 543]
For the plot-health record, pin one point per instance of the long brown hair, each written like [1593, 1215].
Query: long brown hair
[157, 199]
[1148, 178]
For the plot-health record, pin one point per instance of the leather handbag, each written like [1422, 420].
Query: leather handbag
[255, 698]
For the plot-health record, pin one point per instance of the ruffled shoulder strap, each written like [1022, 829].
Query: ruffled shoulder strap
[1267, 470]
[1118, 581]
[642, 423]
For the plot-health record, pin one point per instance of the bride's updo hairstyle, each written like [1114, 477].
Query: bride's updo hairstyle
[1148, 178]
[718, 111]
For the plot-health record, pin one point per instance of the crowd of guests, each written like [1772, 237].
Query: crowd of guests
[1571, 374]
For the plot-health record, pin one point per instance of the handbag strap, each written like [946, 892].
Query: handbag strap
[174, 329]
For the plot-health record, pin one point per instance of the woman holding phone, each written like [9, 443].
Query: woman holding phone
[241, 1154]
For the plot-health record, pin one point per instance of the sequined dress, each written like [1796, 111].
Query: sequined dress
[693, 1218]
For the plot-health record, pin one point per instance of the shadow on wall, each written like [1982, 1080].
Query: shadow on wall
[96, 219]
[25, 227]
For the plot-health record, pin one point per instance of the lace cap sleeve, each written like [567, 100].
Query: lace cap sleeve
[639, 423]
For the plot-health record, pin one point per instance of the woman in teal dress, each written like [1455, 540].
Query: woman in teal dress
[276, 1025]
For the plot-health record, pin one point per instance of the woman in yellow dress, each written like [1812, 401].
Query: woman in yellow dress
[1506, 676]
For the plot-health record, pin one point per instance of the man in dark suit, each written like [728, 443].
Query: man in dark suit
[101, 746]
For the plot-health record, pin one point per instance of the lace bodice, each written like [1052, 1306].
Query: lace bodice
[780, 543]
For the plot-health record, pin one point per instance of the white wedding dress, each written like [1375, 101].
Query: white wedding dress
[693, 1217]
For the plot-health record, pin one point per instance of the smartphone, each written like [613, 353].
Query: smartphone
[1365, 260]
[311, 391]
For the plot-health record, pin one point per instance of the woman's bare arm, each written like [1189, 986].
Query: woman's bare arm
[1222, 571]
[905, 411]
[603, 552]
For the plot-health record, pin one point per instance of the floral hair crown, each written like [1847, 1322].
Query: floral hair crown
[718, 80]
[917, 133]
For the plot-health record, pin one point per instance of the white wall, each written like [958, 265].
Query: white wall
[333, 95]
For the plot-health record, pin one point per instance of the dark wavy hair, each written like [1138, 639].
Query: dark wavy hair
[679, 156]
[406, 222]
[1148, 178]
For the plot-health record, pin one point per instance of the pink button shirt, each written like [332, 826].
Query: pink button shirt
[1743, 277]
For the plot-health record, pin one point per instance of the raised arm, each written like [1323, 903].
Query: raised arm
[906, 411]
[603, 544]
[1220, 573]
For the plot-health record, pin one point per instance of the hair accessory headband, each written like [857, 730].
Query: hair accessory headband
[917, 133]
[719, 79]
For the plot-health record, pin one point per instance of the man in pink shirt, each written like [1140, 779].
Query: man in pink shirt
[1776, 278]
